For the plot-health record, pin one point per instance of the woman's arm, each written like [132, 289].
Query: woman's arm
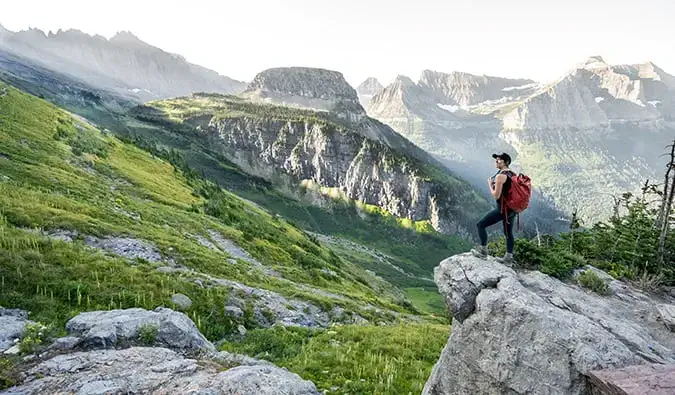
[499, 184]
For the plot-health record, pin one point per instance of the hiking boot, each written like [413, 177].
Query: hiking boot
[480, 252]
[507, 260]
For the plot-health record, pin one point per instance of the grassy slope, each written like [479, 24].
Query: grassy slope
[59, 173]
[415, 245]
[352, 359]
[46, 184]
[415, 252]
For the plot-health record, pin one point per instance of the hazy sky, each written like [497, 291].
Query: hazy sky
[539, 39]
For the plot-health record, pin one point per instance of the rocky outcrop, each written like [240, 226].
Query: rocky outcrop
[146, 370]
[151, 370]
[123, 64]
[306, 87]
[523, 333]
[105, 329]
[12, 326]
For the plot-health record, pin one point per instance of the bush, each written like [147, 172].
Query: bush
[561, 264]
[34, 337]
[147, 334]
[589, 279]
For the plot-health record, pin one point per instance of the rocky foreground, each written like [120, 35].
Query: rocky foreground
[528, 333]
[137, 351]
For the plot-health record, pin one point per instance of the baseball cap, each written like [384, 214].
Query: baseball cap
[504, 156]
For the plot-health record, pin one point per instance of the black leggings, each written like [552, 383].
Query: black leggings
[492, 218]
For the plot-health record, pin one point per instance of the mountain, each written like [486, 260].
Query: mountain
[466, 89]
[305, 87]
[597, 131]
[123, 64]
[367, 89]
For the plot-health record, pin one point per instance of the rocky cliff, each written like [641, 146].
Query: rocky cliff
[123, 64]
[519, 332]
[294, 148]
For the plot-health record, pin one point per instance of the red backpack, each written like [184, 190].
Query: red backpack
[518, 198]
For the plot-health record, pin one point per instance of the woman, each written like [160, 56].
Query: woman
[499, 186]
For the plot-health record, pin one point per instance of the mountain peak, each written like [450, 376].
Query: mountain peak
[403, 81]
[369, 87]
[304, 81]
[126, 37]
[4, 33]
[594, 62]
[305, 87]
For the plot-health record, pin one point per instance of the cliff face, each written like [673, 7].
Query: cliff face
[565, 333]
[336, 160]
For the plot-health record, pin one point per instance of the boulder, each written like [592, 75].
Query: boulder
[105, 329]
[146, 370]
[12, 325]
[182, 301]
[528, 333]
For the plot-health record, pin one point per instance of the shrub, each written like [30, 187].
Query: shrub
[147, 334]
[589, 279]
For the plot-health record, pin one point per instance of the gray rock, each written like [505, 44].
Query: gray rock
[105, 329]
[667, 315]
[63, 235]
[263, 380]
[127, 247]
[234, 312]
[12, 350]
[270, 307]
[228, 359]
[182, 301]
[65, 343]
[12, 325]
[238, 253]
[527, 333]
[154, 371]
[241, 329]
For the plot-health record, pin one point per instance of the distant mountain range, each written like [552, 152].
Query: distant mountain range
[598, 131]
[122, 64]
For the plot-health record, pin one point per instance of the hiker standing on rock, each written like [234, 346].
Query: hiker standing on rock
[510, 201]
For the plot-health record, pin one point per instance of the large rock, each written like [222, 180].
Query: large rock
[154, 371]
[12, 325]
[518, 333]
[104, 329]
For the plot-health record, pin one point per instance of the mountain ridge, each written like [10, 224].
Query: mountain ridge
[123, 64]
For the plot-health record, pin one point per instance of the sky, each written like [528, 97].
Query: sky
[537, 39]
